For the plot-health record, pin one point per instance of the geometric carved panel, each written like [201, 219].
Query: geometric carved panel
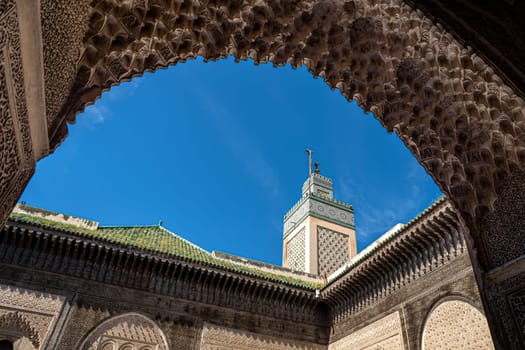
[517, 305]
[25, 299]
[16, 158]
[333, 250]
[456, 325]
[220, 338]
[130, 331]
[295, 252]
[9, 161]
[384, 334]
[28, 313]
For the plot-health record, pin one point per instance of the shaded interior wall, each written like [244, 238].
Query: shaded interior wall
[86, 304]
[494, 29]
[214, 337]
[181, 333]
[16, 152]
[78, 306]
[84, 319]
[397, 321]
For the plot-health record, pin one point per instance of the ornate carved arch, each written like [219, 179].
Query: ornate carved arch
[131, 331]
[455, 322]
[17, 323]
[452, 111]
[447, 105]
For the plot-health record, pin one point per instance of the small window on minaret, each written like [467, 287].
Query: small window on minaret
[323, 193]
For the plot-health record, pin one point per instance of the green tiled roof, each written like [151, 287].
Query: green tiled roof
[153, 238]
[149, 238]
[157, 240]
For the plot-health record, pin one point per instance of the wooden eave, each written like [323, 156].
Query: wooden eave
[91, 259]
[397, 259]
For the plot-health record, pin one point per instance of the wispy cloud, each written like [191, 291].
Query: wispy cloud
[373, 218]
[378, 212]
[124, 90]
[95, 114]
[99, 112]
[242, 146]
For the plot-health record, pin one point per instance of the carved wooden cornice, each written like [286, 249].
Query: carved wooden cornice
[421, 247]
[431, 240]
[170, 276]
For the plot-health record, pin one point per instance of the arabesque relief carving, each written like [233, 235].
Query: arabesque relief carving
[129, 331]
[455, 324]
[17, 323]
[63, 27]
[385, 333]
[28, 313]
[220, 338]
[448, 106]
[16, 155]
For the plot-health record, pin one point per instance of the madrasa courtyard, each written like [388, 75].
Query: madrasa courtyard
[446, 78]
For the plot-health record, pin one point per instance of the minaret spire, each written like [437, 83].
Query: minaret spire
[319, 231]
[309, 152]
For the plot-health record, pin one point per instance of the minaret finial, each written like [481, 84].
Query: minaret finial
[309, 152]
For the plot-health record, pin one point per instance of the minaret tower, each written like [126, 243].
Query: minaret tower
[319, 231]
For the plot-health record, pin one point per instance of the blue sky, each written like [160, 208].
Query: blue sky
[217, 152]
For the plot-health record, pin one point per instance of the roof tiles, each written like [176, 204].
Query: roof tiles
[159, 241]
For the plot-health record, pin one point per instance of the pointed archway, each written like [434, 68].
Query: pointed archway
[456, 115]
[131, 331]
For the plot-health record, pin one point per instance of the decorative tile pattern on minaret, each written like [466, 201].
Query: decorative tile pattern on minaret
[332, 250]
[296, 252]
[318, 230]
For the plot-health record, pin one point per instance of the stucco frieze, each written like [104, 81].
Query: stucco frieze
[28, 312]
[385, 333]
[220, 338]
[16, 154]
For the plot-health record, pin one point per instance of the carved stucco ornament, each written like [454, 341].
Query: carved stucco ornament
[455, 324]
[16, 153]
[16, 322]
[130, 331]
